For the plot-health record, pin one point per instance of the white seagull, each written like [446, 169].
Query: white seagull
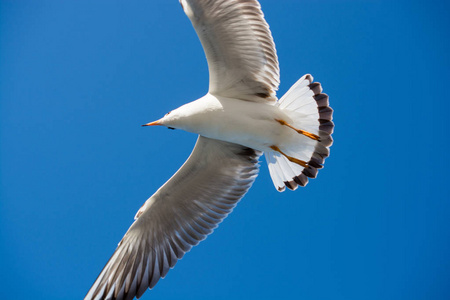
[237, 120]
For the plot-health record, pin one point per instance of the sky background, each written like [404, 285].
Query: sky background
[78, 78]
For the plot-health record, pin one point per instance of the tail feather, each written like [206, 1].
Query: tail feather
[275, 170]
[280, 168]
[310, 111]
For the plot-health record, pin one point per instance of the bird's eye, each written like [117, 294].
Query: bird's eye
[171, 128]
[168, 113]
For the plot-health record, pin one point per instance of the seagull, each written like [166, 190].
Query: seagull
[238, 120]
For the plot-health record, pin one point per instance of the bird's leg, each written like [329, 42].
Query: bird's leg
[290, 158]
[305, 133]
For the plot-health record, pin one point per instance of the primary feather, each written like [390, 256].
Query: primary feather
[177, 217]
[238, 45]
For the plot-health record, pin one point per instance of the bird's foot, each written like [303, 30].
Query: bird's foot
[290, 158]
[305, 133]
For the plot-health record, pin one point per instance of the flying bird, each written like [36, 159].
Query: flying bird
[238, 120]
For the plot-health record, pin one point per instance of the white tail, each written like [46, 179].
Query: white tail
[309, 109]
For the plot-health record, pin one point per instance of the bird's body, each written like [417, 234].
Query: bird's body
[237, 120]
[251, 124]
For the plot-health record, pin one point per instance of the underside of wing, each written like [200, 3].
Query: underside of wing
[177, 217]
[238, 44]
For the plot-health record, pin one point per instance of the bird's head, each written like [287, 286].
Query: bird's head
[167, 121]
[175, 119]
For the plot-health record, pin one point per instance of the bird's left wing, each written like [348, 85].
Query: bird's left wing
[177, 217]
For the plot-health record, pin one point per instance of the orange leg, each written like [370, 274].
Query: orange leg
[305, 133]
[292, 159]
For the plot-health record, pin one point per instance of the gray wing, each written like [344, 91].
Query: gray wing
[177, 217]
[238, 44]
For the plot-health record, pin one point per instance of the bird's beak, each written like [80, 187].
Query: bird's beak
[153, 123]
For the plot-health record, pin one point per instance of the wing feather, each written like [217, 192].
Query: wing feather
[177, 217]
[239, 47]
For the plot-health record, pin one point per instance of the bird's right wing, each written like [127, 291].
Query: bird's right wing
[177, 217]
[238, 45]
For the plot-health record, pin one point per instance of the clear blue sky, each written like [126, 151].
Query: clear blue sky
[78, 78]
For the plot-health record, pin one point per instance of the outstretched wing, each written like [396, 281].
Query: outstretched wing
[177, 217]
[241, 54]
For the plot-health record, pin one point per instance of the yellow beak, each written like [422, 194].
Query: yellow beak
[153, 123]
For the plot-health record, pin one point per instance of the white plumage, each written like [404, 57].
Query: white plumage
[237, 121]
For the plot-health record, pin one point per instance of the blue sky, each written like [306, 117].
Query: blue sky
[78, 78]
